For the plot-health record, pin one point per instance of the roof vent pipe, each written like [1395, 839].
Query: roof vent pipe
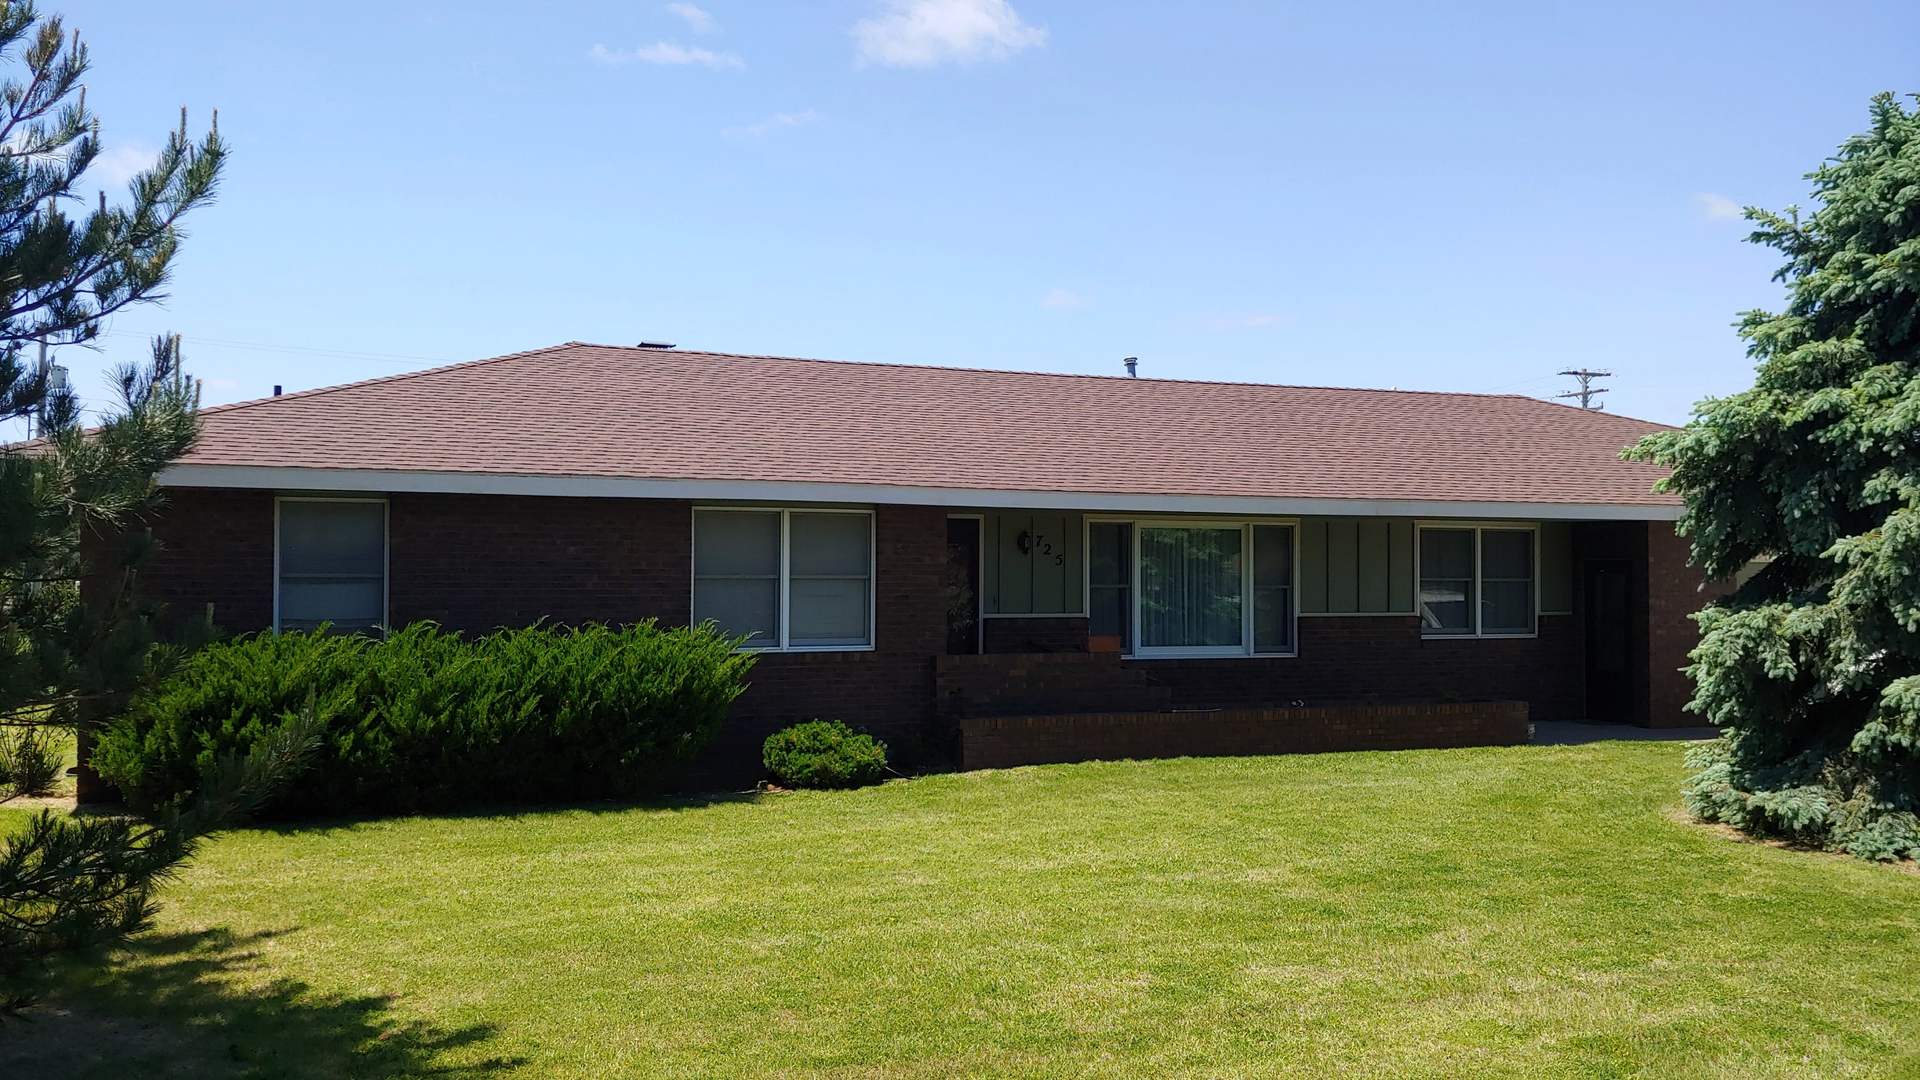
[276, 389]
[1133, 367]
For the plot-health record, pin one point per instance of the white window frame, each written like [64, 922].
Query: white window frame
[1479, 573]
[784, 593]
[1184, 652]
[980, 579]
[386, 547]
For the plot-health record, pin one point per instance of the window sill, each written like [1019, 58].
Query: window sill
[808, 649]
[1237, 654]
[1479, 637]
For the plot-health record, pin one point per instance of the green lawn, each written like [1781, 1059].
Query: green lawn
[1528, 911]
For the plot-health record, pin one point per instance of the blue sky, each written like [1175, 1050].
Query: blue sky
[1463, 196]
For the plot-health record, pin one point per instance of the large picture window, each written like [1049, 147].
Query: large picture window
[330, 558]
[1478, 581]
[1172, 588]
[785, 579]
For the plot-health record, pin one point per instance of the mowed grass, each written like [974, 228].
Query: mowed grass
[1530, 911]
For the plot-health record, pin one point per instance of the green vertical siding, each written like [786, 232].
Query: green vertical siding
[1347, 565]
[1556, 568]
[1356, 566]
[1047, 579]
[1313, 564]
[1400, 564]
[1373, 548]
[1343, 564]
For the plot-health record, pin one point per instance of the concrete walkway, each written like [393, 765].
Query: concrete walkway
[1575, 732]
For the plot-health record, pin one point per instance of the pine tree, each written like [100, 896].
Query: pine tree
[75, 637]
[64, 267]
[1812, 667]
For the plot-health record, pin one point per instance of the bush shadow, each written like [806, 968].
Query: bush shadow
[184, 1005]
[663, 803]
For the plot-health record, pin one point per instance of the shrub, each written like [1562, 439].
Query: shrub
[425, 719]
[30, 761]
[824, 754]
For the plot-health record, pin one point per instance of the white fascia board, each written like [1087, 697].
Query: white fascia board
[282, 478]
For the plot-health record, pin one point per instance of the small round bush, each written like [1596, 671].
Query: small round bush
[824, 754]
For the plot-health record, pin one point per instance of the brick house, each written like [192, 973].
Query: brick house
[912, 545]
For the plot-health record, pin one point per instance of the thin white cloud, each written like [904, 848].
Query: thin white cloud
[1247, 322]
[1060, 298]
[667, 53]
[699, 21]
[773, 123]
[1719, 207]
[923, 33]
[117, 166]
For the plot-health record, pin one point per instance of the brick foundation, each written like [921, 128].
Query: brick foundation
[1003, 742]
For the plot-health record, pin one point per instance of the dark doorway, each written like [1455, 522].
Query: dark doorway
[963, 585]
[1609, 641]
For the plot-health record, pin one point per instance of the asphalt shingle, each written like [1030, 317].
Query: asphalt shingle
[580, 410]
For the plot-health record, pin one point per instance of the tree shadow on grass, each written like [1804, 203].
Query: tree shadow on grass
[189, 1005]
[665, 803]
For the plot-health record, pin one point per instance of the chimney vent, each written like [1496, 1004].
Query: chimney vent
[1133, 367]
[656, 344]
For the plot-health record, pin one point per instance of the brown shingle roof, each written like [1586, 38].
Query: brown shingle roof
[579, 410]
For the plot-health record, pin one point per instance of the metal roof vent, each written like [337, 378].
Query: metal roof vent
[1133, 367]
[656, 345]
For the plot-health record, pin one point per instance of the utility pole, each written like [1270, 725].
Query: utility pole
[1587, 391]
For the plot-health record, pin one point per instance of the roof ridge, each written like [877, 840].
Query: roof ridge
[318, 390]
[1085, 375]
[901, 366]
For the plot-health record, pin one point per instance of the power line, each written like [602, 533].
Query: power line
[1522, 382]
[1587, 391]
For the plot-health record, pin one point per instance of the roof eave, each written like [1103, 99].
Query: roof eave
[294, 478]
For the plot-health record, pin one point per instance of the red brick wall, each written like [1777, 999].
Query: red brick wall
[1012, 684]
[889, 690]
[479, 562]
[216, 548]
[1348, 658]
[1675, 591]
[1036, 633]
[476, 562]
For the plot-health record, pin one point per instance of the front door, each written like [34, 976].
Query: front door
[963, 585]
[1609, 626]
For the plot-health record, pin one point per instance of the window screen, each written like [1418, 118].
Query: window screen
[1110, 581]
[1506, 581]
[830, 561]
[805, 574]
[1446, 581]
[736, 573]
[1272, 589]
[333, 565]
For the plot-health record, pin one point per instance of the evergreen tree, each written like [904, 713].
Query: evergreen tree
[1812, 667]
[64, 267]
[74, 635]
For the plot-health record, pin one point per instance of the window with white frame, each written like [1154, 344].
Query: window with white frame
[330, 557]
[785, 579]
[1478, 581]
[1176, 588]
